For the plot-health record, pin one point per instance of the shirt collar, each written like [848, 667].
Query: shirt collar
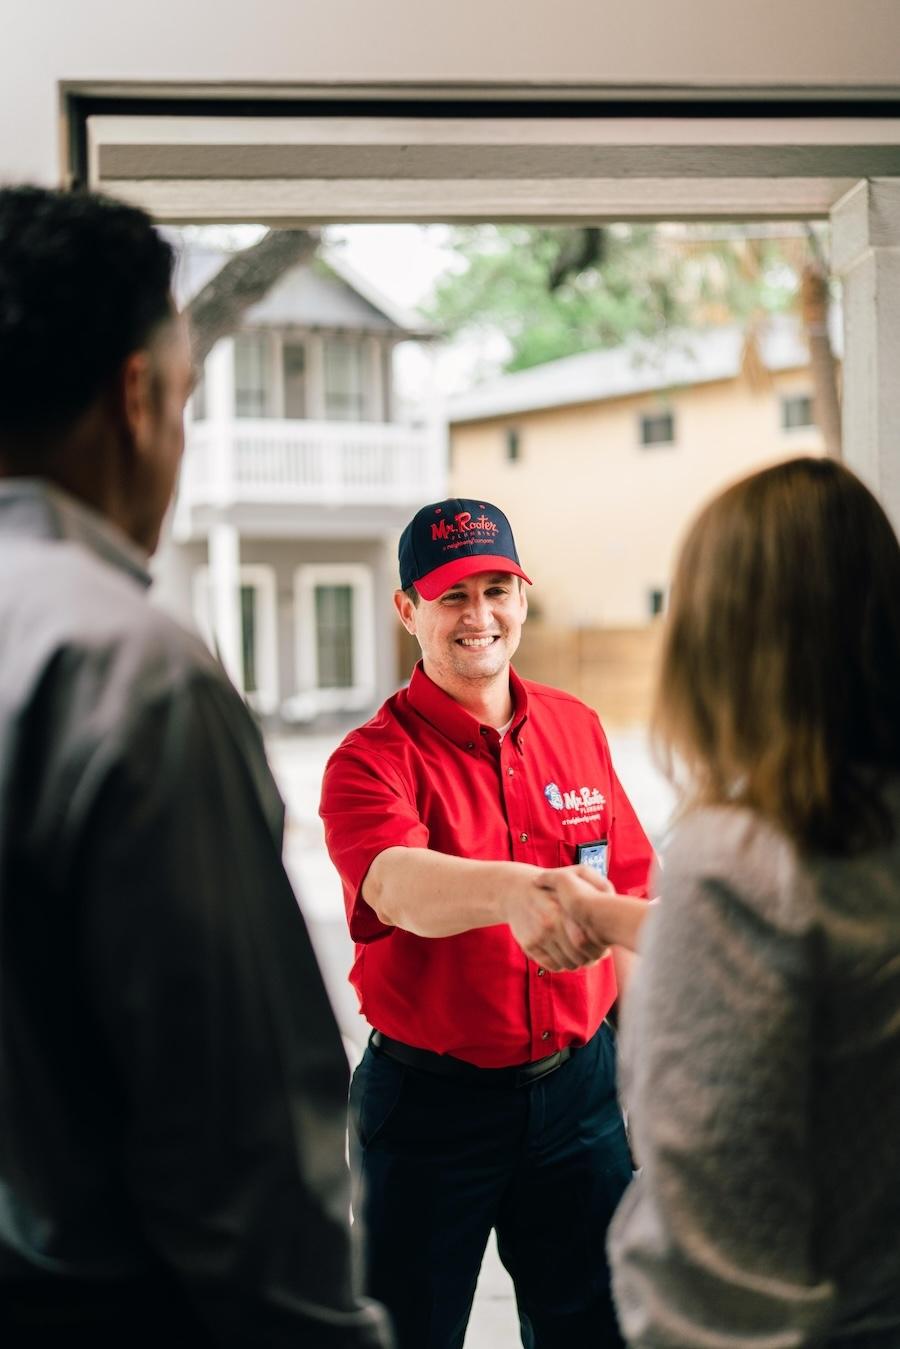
[453, 721]
[39, 508]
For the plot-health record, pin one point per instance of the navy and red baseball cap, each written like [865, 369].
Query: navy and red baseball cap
[451, 539]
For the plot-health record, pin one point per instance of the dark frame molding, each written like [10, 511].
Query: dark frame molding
[79, 104]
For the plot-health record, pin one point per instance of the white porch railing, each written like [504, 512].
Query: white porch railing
[327, 463]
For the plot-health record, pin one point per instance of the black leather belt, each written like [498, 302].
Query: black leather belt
[444, 1065]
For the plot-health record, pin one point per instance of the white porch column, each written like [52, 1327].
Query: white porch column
[315, 377]
[225, 597]
[219, 372]
[220, 415]
[387, 379]
[375, 406]
[437, 467]
[866, 255]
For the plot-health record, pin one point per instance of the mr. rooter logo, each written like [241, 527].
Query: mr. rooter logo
[462, 525]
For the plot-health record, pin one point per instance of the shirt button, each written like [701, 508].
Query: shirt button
[509, 772]
[545, 1035]
[470, 744]
[523, 838]
[541, 973]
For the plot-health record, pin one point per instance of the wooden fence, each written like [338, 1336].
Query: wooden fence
[611, 669]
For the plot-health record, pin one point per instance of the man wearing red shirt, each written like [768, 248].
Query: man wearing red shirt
[486, 850]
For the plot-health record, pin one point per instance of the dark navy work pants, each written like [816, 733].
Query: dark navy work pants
[438, 1162]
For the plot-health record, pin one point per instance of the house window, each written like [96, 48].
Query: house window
[513, 444]
[656, 601]
[796, 412]
[249, 630]
[658, 428]
[259, 637]
[252, 375]
[293, 369]
[344, 381]
[335, 637]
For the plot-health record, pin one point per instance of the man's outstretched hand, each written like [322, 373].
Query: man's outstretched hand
[569, 917]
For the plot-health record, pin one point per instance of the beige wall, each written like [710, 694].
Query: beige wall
[597, 516]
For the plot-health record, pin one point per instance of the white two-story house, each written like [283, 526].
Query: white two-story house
[298, 475]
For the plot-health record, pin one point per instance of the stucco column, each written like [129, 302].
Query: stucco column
[866, 256]
[225, 597]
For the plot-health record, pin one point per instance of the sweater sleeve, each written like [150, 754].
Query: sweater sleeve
[713, 1245]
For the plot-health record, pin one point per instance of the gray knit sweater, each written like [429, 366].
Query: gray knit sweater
[761, 1072]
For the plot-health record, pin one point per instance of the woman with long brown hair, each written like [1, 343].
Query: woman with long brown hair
[761, 1043]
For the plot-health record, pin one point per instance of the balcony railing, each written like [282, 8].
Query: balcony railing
[321, 463]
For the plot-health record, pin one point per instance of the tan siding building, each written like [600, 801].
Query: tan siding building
[600, 461]
[597, 512]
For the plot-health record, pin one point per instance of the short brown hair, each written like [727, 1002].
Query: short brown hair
[779, 686]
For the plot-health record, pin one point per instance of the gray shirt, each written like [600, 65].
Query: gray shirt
[761, 1071]
[172, 1082]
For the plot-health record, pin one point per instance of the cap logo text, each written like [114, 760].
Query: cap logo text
[462, 524]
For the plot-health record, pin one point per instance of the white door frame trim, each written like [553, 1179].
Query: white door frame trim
[359, 577]
[262, 578]
[603, 154]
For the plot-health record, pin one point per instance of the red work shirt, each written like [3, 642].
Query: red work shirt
[423, 773]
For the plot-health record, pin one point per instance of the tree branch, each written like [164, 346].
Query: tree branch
[814, 304]
[245, 279]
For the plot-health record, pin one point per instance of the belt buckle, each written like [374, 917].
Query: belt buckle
[550, 1065]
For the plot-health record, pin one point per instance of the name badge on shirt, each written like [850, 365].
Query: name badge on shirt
[594, 855]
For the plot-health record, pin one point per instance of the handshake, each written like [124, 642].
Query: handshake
[569, 917]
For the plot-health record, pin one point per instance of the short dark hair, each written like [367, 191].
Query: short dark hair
[84, 281]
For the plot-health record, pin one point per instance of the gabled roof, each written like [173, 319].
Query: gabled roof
[324, 292]
[406, 319]
[640, 366]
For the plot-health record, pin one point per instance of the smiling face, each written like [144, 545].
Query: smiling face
[470, 632]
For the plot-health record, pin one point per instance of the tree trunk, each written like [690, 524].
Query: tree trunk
[246, 278]
[814, 302]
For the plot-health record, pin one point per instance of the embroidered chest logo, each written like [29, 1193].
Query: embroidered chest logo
[586, 802]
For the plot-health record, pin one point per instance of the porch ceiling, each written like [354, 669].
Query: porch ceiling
[288, 521]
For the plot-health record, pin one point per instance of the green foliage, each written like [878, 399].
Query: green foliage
[553, 292]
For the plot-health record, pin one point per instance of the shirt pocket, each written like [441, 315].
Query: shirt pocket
[595, 853]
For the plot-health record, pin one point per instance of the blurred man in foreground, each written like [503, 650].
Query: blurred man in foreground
[172, 1081]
